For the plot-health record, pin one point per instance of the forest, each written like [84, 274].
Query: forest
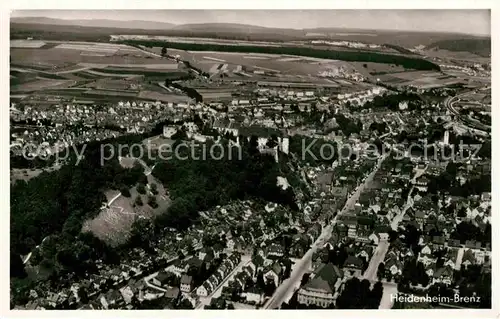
[196, 185]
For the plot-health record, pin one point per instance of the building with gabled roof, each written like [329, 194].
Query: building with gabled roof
[323, 287]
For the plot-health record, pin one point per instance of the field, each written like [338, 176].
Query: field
[163, 97]
[242, 67]
[414, 62]
[23, 174]
[374, 70]
[457, 55]
[420, 79]
[62, 56]
[41, 84]
[26, 44]
[27, 174]
[46, 67]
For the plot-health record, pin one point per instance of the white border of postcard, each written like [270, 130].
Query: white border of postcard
[8, 6]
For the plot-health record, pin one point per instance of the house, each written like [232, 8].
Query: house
[480, 256]
[217, 249]
[227, 292]
[249, 270]
[352, 226]
[234, 259]
[443, 275]
[331, 242]
[204, 252]
[393, 267]
[421, 183]
[212, 282]
[173, 293]
[204, 290]
[241, 279]
[230, 244]
[275, 251]
[365, 252]
[420, 217]
[256, 263]
[438, 242]
[161, 279]
[322, 289]
[273, 273]
[180, 267]
[254, 295]
[314, 232]
[169, 131]
[454, 243]
[450, 260]
[425, 257]
[127, 294]
[430, 269]
[468, 258]
[186, 283]
[114, 299]
[473, 244]
[353, 266]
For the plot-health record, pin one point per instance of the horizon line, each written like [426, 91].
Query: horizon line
[488, 35]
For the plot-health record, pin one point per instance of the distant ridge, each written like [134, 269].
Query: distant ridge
[48, 28]
[217, 27]
[100, 23]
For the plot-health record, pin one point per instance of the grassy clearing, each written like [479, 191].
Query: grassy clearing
[113, 224]
[27, 174]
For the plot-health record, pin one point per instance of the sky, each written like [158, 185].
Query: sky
[469, 21]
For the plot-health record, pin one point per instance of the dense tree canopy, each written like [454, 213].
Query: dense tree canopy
[363, 56]
[196, 185]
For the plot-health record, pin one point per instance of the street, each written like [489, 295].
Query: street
[471, 123]
[288, 286]
[377, 258]
[398, 218]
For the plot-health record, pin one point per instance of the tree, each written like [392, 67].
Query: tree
[16, 266]
[270, 287]
[83, 295]
[261, 284]
[142, 233]
[152, 201]
[375, 295]
[125, 192]
[305, 279]
[154, 188]
[138, 201]
[272, 141]
[381, 271]
[141, 189]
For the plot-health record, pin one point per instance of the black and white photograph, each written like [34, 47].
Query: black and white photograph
[257, 159]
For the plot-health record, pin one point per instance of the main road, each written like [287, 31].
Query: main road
[289, 285]
[377, 258]
[474, 124]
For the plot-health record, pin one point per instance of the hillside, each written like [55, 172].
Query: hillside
[99, 23]
[479, 46]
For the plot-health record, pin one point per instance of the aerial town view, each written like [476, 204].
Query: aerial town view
[204, 159]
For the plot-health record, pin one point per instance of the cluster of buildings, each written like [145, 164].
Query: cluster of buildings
[53, 129]
[350, 44]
